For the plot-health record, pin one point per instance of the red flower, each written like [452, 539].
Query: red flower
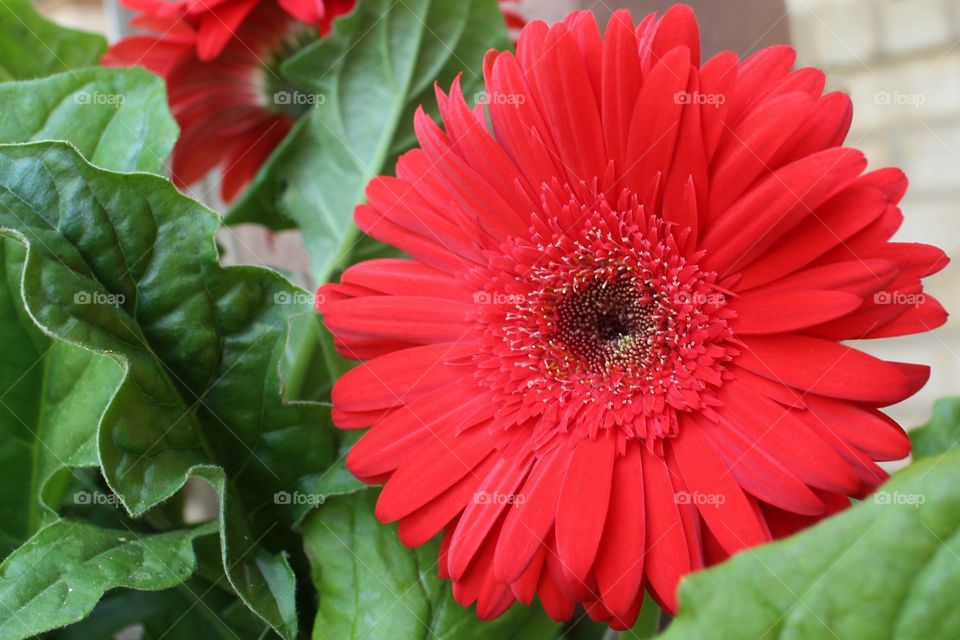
[214, 22]
[616, 353]
[227, 107]
[221, 61]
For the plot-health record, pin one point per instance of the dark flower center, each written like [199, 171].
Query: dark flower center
[279, 93]
[603, 321]
[608, 324]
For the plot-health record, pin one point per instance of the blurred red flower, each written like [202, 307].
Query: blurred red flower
[225, 105]
[221, 61]
[616, 354]
[212, 23]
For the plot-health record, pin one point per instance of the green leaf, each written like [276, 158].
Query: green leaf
[126, 267]
[194, 609]
[117, 118]
[373, 70]
[372, 587]
[334, 481]
[52, 393]
[51, 398]
[59, 575]
[941, 434]
[887, 568]
[31, 46]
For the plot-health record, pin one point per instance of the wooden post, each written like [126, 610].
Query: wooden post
[742, 26]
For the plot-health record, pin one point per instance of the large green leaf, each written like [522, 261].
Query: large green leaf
[372, 587]
[31, 46]
[376, 66]
[60, 573]
[125, 266]
[51, 398]
[334, 481]
[52, 393]
[192, 610]
[942, 433]
[887, 568]
[117, 118]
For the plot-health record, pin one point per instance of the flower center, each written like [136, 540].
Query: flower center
[608, 325]
[599, 320]
[276, 91]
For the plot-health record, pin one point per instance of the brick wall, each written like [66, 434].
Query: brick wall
[900, 62]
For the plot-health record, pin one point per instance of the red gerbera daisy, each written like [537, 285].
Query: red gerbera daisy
[221, 61]
[214, 22]
[225, 107]
[615, 355]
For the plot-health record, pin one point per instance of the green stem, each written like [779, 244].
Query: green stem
[303, 357]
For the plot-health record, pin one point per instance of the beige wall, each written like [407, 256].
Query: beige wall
[900, 61]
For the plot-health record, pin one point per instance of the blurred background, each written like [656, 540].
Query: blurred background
[898, 59]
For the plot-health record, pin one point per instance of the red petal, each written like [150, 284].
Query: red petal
[677, 28]
[584, 501]
[656, 120]
[516, 121]
[867, 429]
[827, 368]
[439, 462]
[527, 526]
[772, 208]
[218, 25]
[717, 78]
[392, 441]
[757, 76]
[424, 523]
[667, 557]
[571, 112]
[554, 602]
[405, 278]
[156, 54]
[496, 493]
[834, 222]
[825, 128]
[747, 151]
[619, 564]
[783, 311]
[719, 497]
[417, 319]
[785, 438]
[620, 84]
[398, 377]
[760, 474]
